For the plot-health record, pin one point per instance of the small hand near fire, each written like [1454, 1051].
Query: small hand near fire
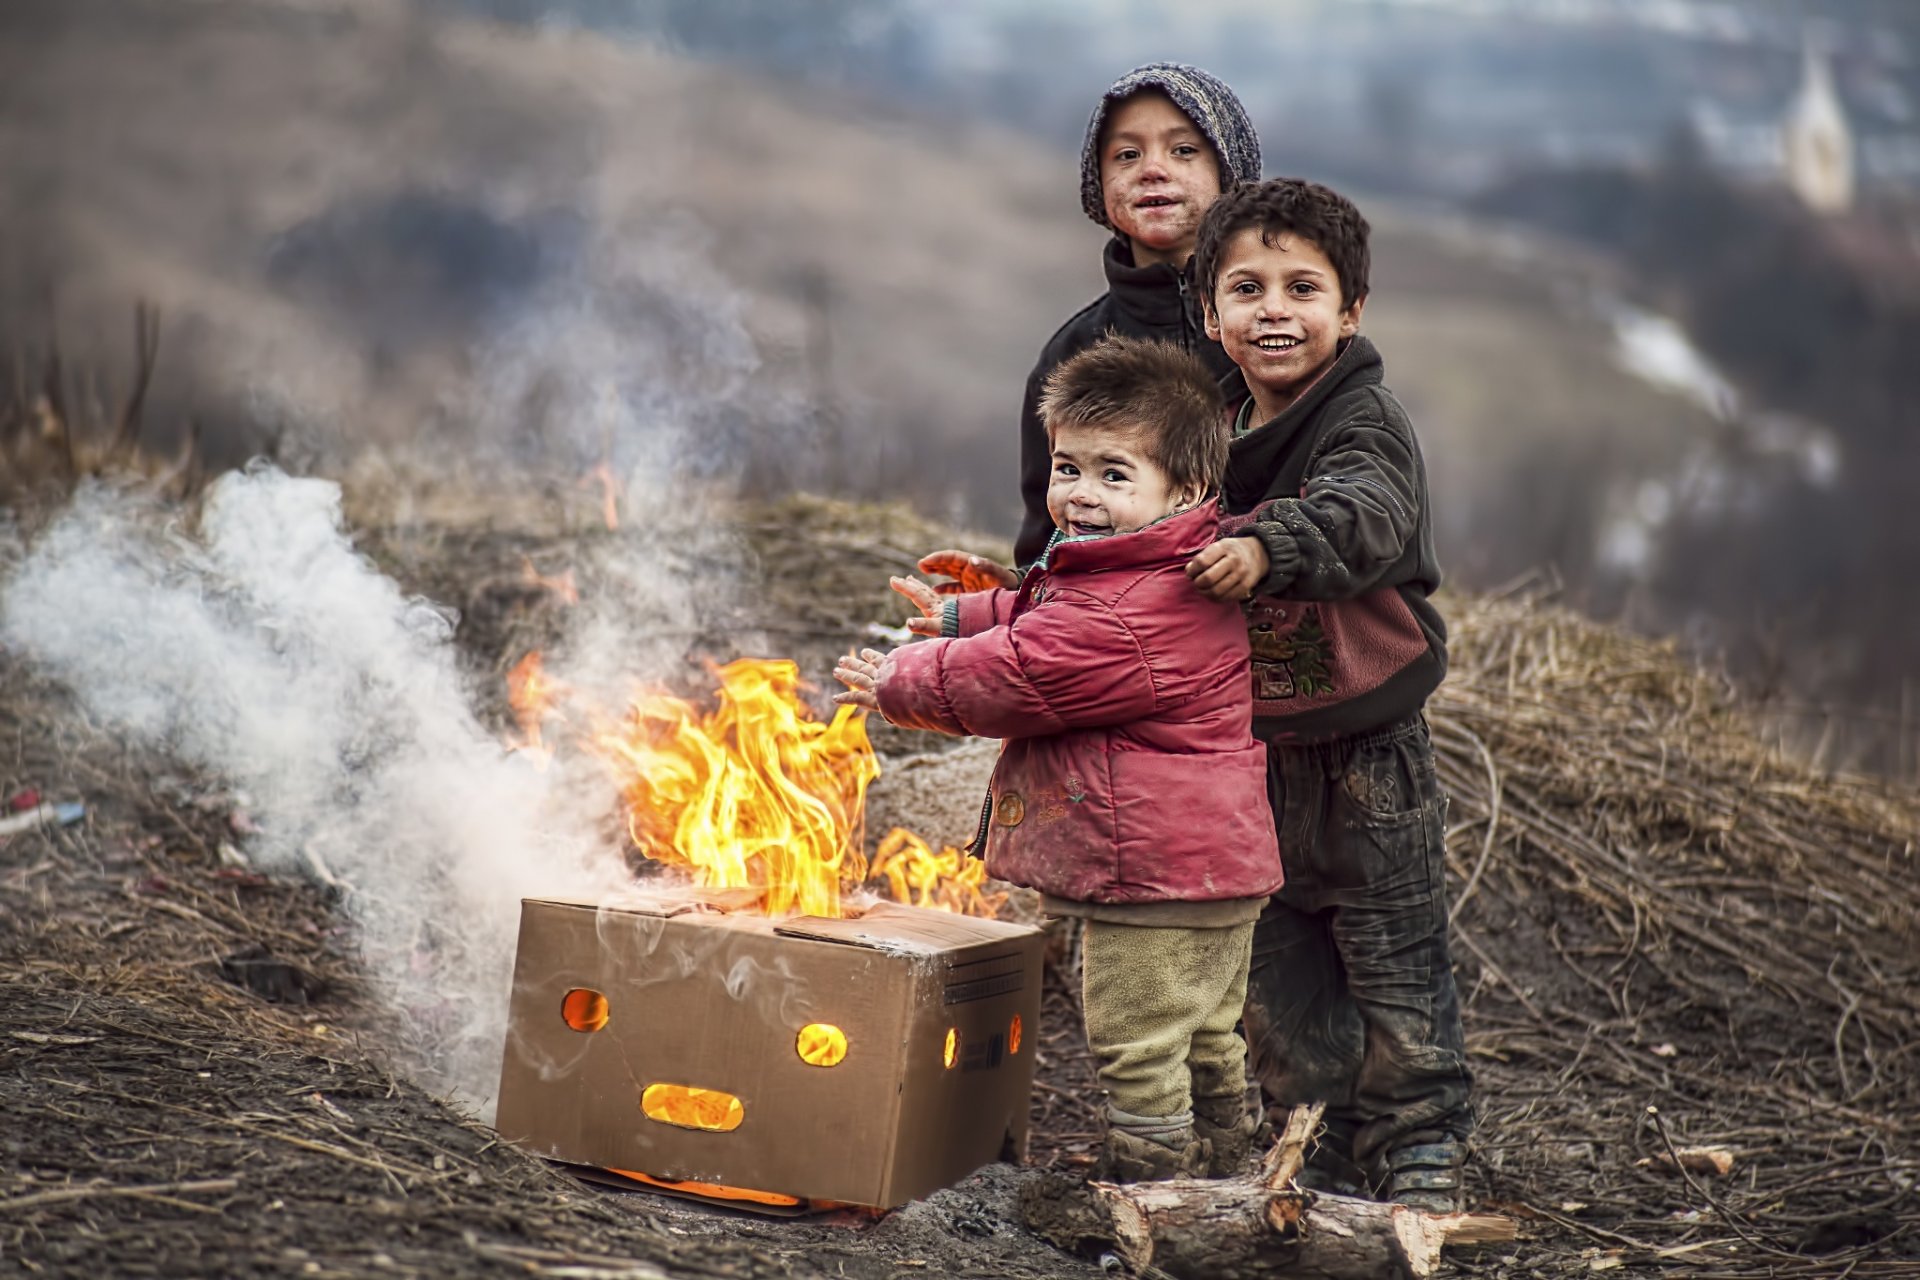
[924, 599]
[969, 573]
[858, 673]
[1229, 569]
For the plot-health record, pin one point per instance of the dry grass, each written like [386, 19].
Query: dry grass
[58, 430]
[1669, 932]
[1668, 935]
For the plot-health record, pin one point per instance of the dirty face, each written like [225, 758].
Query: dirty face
[1104, 482]
[1158, 175]
[1277, 309]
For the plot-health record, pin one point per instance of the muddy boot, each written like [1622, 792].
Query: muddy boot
[1330, 1166]
[1236, 1131]
[1424, 1173]
[1145, 1149]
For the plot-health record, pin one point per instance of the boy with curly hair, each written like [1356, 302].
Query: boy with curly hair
[1328, 542]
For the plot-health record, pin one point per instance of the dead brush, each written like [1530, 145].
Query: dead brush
[56, 431]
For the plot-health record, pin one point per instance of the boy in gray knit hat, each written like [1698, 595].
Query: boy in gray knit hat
[1164, 141]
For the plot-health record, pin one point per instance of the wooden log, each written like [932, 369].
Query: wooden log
[1253, 1227]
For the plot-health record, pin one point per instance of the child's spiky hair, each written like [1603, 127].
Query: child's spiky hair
[1287, 206]
[1152, 388]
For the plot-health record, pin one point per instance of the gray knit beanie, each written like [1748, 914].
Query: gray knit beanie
[1207, 101]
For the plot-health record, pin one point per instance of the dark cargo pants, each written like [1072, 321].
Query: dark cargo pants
[1351, 998]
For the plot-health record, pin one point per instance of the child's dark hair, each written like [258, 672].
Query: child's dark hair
[1287, 206]
[1153, 388]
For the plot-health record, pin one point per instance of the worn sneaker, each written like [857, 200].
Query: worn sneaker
[1335, 1175]
[1235, 1130]
[1330, 1167]
[1424, 1173]
[1128, 1157]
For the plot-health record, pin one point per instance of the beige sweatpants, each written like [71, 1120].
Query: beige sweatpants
[1161, 1005]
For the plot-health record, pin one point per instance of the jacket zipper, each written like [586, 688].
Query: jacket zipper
[978, 849]
[1370, 483]
[1186, 319]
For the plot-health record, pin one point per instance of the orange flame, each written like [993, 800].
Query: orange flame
[712, 1190]
[562, 585]
[532, 695]
[602, 475]
[754, 794]
[946, 881]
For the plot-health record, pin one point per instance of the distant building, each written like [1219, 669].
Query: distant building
[1817, 143]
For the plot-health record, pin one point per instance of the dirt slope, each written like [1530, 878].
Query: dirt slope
[1654, 911]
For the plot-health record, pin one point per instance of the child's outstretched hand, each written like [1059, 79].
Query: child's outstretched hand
[858, 674]
[969, 572]
[1229, 569]
[924, 599]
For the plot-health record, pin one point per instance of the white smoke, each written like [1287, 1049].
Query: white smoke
[264, 647]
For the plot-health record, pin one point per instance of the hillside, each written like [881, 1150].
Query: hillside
[366, 223]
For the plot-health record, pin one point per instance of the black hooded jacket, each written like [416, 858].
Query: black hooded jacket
[1345, 638]
[1156, 302]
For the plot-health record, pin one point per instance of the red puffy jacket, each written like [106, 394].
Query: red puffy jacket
[1129, 771]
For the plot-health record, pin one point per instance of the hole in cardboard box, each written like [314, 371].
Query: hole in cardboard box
[1013, 1035]
[584, 1010]
[821, 1044]
[693, 1108]
[951, 1054]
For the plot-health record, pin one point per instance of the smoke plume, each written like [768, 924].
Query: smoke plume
[264, 647]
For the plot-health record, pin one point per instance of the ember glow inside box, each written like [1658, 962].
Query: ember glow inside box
[866, 1060]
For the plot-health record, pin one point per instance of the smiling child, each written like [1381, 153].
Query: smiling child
[1329, 541]
[1163, 142]
[1129, 790]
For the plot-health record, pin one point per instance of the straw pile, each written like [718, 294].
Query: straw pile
[1677, 949]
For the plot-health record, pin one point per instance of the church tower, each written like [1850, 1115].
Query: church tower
[1817, 142]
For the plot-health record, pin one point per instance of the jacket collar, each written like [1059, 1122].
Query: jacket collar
[1153, 294]
[1359, 361]
[1169, 539]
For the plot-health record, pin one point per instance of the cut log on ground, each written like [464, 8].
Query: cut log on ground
[1252, 1227]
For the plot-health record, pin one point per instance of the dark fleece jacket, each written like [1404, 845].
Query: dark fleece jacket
[1345, 639]
[1156, 301]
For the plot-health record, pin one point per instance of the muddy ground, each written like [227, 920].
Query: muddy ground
[1666, 935]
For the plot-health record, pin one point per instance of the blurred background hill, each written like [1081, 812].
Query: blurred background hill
[1657, 354]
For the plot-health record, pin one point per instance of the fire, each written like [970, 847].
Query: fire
[561, 584]
[532, 696]
[602, 475]
[946, 881]
[712, 1190]
[754, 793]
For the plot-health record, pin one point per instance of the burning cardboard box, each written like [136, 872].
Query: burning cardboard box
[865, 1060]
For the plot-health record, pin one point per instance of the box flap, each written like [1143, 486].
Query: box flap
[666, 901]
[889, 926]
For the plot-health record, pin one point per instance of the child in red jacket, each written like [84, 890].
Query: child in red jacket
[1129, 791]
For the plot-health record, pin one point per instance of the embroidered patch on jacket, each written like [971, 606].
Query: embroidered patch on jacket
[1288, 661]
[1011, 810]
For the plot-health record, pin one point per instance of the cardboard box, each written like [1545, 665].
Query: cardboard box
[940, 1016]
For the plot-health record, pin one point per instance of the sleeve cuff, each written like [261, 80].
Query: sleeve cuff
[1283, 556]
